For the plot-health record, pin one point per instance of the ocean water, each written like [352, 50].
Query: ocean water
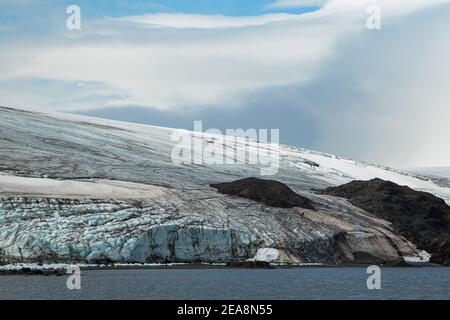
[294, 283]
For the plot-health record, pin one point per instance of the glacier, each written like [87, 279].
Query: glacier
[76, 189]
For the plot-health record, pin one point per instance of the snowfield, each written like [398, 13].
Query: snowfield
[86, 190]
[80, 189]
[439, 175]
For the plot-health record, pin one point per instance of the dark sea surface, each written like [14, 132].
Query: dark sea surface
[294, 283]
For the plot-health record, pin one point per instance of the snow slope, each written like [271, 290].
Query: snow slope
[80, 189]
[439, 175]
[74, 188]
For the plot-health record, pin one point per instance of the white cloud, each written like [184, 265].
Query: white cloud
[188, 60]
[197, 21]
[178, 69]
[295, 3]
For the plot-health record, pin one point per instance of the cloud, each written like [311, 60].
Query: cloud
[197, 21]
[189, 61]
[176, 69]
[294, 3]
[387, 94]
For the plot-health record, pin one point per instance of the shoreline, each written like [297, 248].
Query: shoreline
[60, 269]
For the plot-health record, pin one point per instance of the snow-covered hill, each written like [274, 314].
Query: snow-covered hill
[81, 189]
[439, 175]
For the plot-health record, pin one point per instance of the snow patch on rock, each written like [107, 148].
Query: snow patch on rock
[421, 257]
[267, 255]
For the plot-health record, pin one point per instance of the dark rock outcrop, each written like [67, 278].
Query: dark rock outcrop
[270, 192]
[420, 217]
[33, 272]
[250, 265]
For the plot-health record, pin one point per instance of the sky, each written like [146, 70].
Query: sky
[310, 68]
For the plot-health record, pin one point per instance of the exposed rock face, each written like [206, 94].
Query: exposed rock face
[78, 189]
[418, 216]
[273, 193]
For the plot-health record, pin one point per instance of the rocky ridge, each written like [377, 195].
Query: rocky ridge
[420, 217]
